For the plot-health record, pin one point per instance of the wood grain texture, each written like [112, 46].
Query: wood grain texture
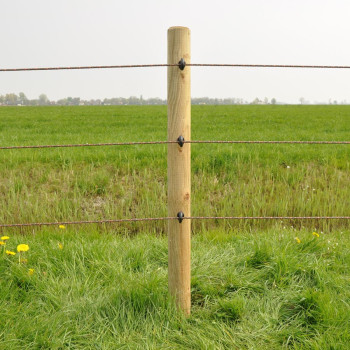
[179, 167]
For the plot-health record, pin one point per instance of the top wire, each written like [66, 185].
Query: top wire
[176, 65]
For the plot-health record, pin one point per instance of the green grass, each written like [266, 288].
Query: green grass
[253, 285]
[249, 291]
[130, 181]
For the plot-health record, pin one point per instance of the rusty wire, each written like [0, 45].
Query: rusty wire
[83, 222]
[90, 144]
[87, 67]
[171, 142]
[267, 217]
[266, 65]
[272, 142]
[238, 65]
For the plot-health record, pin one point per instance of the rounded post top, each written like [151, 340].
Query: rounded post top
[178, 28]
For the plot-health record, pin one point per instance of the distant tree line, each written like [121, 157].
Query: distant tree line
[22, 100]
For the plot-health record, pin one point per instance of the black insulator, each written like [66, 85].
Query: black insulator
[182, 64]
[180, 216]
[180, 140]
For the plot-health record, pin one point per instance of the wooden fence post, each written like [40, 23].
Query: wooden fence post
[179, 167]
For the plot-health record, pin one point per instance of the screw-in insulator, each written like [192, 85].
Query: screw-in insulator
[180, 216]
[182, 64]
[180, 140]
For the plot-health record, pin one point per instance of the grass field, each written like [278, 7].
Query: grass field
[253, 285]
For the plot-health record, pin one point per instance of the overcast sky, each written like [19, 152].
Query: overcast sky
[41, 33]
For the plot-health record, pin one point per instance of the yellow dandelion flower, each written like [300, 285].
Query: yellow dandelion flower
[298, 240]
[22, 248]
[8, 252]
[5, 238]
[60, 246]
[62, 227]
[316, 234]
[2, 243]
[31, 272]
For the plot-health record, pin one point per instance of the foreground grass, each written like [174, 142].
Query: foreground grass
[261, 291]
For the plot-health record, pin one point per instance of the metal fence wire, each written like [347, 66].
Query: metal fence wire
[181, 65]
[117, 221]
[234, 65]
[170, 142]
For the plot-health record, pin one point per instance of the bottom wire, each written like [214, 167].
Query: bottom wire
[176, 218]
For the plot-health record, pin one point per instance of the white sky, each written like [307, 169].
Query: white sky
[41, 33]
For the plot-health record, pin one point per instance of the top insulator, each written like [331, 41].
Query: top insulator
[182, 64]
